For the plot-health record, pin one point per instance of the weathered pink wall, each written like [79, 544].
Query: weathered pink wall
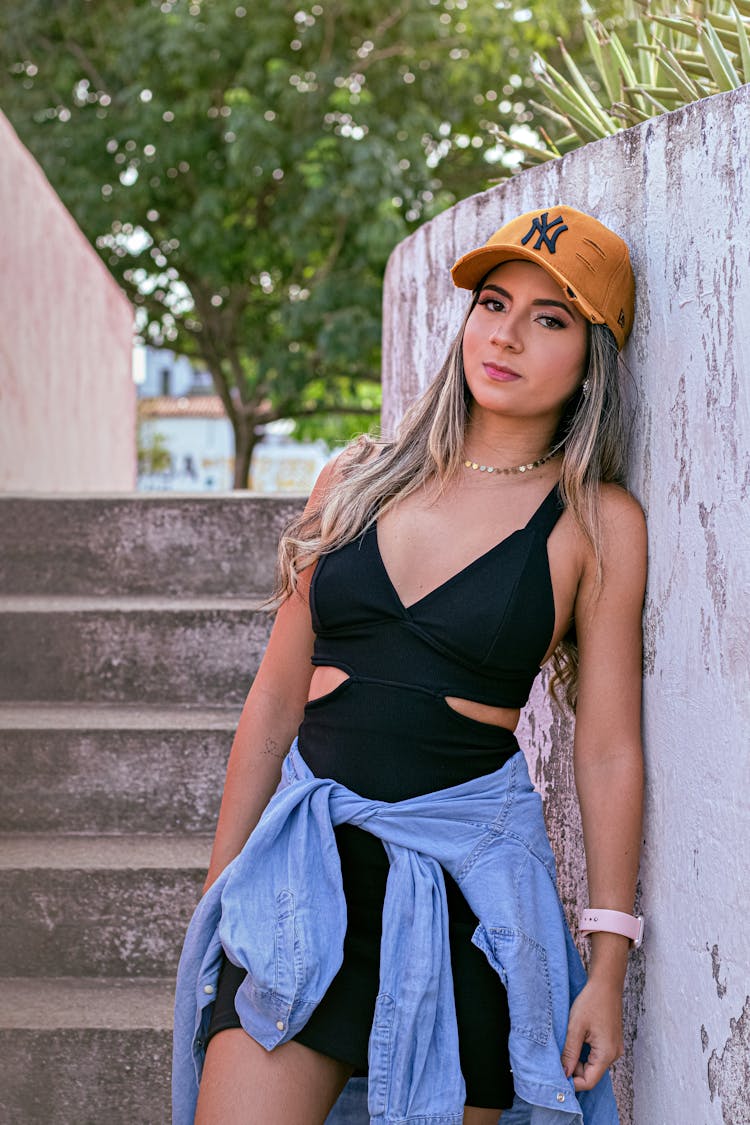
[67, 399]
[678, 189]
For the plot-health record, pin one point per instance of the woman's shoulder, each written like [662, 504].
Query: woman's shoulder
[357, 452]
[622, 541]
[620, 548]
[620, 513]
[613, 575]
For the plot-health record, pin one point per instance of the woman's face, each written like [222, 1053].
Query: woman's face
[524, 345]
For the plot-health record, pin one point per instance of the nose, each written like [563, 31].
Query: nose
[505, 332]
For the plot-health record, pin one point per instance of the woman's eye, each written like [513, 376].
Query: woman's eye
[551, 322]
[494, 304]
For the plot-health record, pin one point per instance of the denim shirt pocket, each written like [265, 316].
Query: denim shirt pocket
[523, 967]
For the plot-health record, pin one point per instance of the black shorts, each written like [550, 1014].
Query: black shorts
[340, 1025]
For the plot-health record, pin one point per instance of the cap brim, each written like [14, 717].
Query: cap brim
[472, 267]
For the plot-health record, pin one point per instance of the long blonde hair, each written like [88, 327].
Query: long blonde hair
[429, 447]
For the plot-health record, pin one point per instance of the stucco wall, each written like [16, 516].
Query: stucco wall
[67, 400]
[678, 190]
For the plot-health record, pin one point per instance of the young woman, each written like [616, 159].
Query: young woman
[421, 591]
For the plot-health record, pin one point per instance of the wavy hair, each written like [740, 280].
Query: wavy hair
[429, 447]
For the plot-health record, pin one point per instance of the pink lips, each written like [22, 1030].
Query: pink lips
[500, 374]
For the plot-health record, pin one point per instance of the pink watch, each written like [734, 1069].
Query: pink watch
[613, 922]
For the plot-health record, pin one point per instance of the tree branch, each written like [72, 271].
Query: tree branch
[96, 77]
[324, 270]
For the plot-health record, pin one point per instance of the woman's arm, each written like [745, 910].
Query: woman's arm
[270, 716]
[608, 767]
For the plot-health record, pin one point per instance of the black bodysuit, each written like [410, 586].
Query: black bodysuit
[388, 733]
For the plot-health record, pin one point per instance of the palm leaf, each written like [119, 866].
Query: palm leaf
[602, 61]
[691, 91]
[587, 94]
[719, 63]
[630, 114]
[551, 113]
[682, 52]
[744, 43]
[562, 95]
[540, 154]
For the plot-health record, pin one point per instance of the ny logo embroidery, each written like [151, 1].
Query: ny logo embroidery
[542, 227]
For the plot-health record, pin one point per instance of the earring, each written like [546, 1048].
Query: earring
[585, 388]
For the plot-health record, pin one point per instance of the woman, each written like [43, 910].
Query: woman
[422, 589]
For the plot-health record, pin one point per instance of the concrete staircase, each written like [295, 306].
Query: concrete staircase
[130, 630]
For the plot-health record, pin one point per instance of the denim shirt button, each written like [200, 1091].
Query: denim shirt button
[561, 1097]
[280, 1025]
[208, 989]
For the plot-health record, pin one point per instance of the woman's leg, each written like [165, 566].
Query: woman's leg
[243, 1084]
[474, 1116]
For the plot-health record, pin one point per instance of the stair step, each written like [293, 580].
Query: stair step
[84, 1051]
[119, 651]
[38, 716]
[142, 852]
[97, 905]
[105, 768]
[137, 603]
[138, 544]
[54, 1003]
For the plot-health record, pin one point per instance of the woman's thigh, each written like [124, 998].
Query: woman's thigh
[243, 1084]
[474, 1116]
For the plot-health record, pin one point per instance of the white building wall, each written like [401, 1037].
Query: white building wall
[67, 401]
[183, 377]
[678, 189]
[205, 444]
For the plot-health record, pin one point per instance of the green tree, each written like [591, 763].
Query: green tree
[153, 451]
[245, 170]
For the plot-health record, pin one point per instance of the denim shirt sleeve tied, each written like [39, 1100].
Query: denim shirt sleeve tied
[279, 911]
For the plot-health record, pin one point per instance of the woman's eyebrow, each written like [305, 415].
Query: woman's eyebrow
[537, 301]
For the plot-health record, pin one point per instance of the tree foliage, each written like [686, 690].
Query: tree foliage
[245, 170]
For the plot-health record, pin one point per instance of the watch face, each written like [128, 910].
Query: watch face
[638, 940]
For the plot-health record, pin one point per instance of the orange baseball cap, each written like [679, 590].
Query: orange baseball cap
[589, 262]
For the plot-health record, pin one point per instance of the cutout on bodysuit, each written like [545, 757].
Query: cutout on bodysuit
[338, 680]
[483, 713]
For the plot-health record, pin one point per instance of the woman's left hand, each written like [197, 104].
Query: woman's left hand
[596, 1019]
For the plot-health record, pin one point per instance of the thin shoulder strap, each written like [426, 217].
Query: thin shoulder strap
[547, 514]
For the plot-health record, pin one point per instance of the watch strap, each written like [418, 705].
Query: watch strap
[613, 922]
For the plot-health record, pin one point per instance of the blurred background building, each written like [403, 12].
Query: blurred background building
[185, 440]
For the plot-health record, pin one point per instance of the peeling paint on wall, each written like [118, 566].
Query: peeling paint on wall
[721, 986]
[729, 1072]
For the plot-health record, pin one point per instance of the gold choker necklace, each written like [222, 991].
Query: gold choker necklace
[516, 468]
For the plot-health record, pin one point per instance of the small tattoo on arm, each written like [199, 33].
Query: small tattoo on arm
[272, 748]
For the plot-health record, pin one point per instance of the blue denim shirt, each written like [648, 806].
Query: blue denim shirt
[279, 911]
